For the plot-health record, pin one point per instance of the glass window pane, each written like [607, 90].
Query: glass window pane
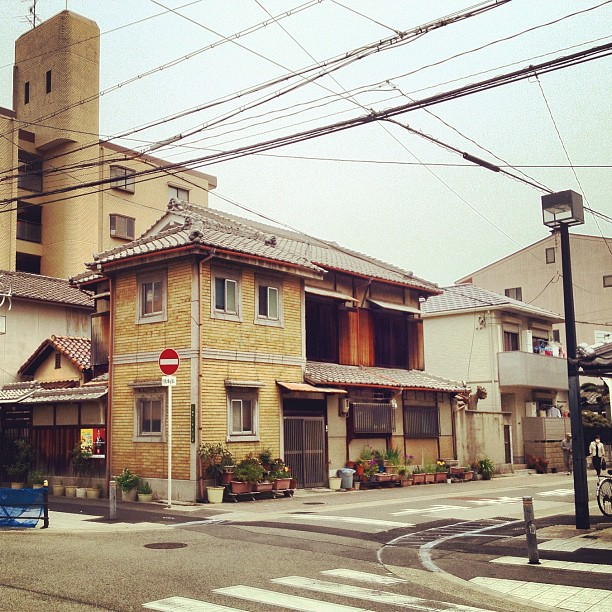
[272, 303]
[157, 297]
[230, 296]
[247, 416]
[263, 301]
[220, 293]
[236, 416]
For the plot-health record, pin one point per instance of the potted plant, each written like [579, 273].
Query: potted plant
[58, 488]
[468, 473]
[128, 484]
[23, 456]
[430, 473]
[145, 493]
[392, 459]
[81, 464]
[247, 473]
[281, 474]
[441, 471]
[486, 469]
[37, 479]
[93, 492]
[418, 475]
[265, 458]
[405, 479]
[216, 458]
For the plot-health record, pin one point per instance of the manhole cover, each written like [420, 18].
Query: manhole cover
[165, 545]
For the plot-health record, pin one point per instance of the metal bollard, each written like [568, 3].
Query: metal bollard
[530, 531]
[112, 500]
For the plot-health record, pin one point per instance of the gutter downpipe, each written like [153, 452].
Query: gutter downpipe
[109, 393]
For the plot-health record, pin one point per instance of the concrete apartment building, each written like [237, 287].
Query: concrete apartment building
[51, 144]
[533, 275]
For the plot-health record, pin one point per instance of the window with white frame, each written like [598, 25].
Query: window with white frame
[152, 297]
[516, 293]
[268, 302]
[242, 414]
[123, 178]
[178, 192]
[149, 407]
[122, 227]
[226, 295]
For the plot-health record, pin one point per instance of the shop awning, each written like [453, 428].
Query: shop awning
[345, 297]
[398, 307]
[297, 387]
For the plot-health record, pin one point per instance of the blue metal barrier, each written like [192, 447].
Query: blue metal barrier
[24, 507]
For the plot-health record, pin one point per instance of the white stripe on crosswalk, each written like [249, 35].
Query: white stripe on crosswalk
[363, 576]
[558, 596]
[381, 597]
[594, 568]
[291, 602]
[429, 510]
[184, 604]
[556, 492]
[351, 519]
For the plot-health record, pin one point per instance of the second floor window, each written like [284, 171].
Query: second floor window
[268, 302]
[322, 342]
[390, 340]
[30, 172]
[226, 295]
[122, 227]
[29, 222]
[511, 341]
[516, 293]
[178, 192]
[152, 297]
[123, 178]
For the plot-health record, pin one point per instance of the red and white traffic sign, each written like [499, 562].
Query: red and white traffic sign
[169, 361]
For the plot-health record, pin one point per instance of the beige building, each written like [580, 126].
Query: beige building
[534, 275]
[51, 145]
[504, 346]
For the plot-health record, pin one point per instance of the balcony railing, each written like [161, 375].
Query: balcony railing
[520, 369]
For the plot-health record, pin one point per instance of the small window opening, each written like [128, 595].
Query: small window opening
[48, 81]
[58, 361]
[26, 92]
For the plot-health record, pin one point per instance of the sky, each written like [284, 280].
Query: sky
[377, 188]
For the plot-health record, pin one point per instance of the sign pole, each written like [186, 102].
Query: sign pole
[169, 446]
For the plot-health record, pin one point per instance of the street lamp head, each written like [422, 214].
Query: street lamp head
[562, 208]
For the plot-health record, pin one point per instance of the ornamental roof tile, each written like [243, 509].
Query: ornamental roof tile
[78, 394]
[470, 297]
[44, 288]
[14, 392]
[334, 374]
[192, 225]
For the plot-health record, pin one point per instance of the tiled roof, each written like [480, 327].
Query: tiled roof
[78, 394]
[44, 288]
[470, 297]
[77, 350]
[334, 374]
[13, 392]
[214, 229]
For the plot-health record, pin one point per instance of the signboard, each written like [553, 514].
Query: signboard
[168, 381]
[169, 361]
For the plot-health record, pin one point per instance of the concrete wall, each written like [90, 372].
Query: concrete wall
[480, 435]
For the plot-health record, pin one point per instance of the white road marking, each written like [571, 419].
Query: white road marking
[292, 602]
[573, 544]
[351, 519]
[579, 599]
[184, 604]
[556, 493]
[363, 576]
[430, 509]
[497, 501]
[593, 568]
[381, 597]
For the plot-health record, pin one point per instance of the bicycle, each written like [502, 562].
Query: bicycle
[604, 494]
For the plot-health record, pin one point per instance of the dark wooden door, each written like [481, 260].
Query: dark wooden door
[305, 449]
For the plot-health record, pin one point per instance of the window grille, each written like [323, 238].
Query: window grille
[421, 422]
[372, 418]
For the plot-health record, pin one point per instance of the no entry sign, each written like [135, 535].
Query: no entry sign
[169, 361]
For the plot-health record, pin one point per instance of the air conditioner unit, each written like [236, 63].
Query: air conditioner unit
[527, 341]
[531, 409]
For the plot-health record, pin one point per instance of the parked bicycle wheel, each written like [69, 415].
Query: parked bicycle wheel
[604, 497]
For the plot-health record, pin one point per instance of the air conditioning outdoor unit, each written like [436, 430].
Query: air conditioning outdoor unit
[527, 341]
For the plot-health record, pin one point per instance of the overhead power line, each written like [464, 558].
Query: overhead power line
[504, 79]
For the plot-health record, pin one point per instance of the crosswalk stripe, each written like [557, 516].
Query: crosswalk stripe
[558, 596]
[382, 597]
[184, 604]
[351, 519]
[429, 510]
[594, 568]
[363, 576]
[292, 602]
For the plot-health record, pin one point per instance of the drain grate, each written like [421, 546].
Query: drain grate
[165, 545]
[313, 504]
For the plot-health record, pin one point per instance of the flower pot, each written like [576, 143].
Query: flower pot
[129, 495]
[335, 483]
[263, 487]
[17, 485]
[293, 483]
[239, 487]
[227, 477]
[58, 490]
[81, 492]
[283, 483]
[430, 477]
[215, 494]
[440, 477]
[404, 481]
[359, 468]
[145, 497]
[92, 493]
[70, 491]
[469, 475]
[37, 486]
[418, 479]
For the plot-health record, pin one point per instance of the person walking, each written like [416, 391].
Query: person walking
[566, 447]
[596, 450]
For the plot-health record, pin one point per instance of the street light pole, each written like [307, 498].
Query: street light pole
[581, 493]
[559, 211]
